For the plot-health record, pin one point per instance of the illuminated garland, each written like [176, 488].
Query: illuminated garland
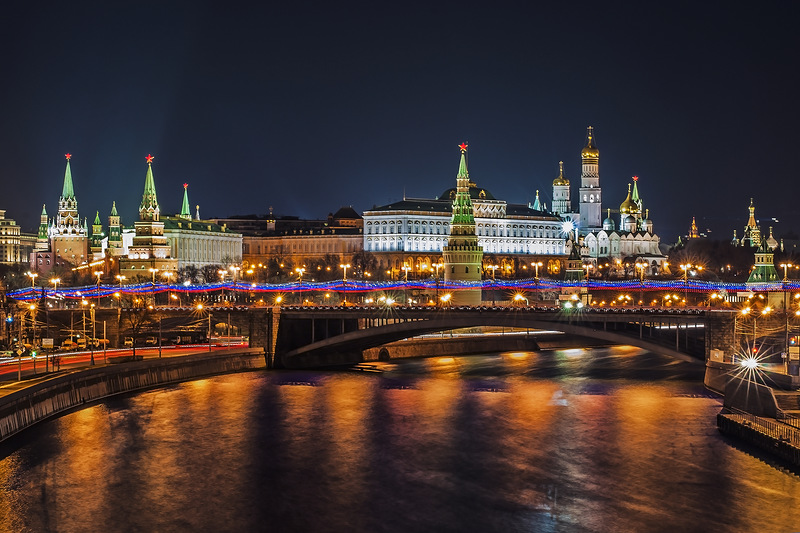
[90, 292]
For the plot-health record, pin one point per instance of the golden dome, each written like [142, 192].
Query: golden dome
[590, 150]
[628, 206]
[561, 180]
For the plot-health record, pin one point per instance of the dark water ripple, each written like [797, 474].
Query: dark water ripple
[576, 440]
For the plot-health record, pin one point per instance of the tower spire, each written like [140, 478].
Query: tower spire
[462, 255]
[67, 192]
[148, 209]
[537, 205]
[186, 212]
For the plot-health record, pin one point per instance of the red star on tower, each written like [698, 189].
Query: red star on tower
[68, 156]
[463, 147]
[149, 159]
[185, 185]
[635, 178]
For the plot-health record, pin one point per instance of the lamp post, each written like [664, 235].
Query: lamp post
[344, 268]
[168, 274]
[55, 281]
[235, 270]
[120, 278]
[685, 267]
[153, 272]
[33, 276]
[98, 275]
[94, 334]
[536, 265]
[437, 266]
[786, 267]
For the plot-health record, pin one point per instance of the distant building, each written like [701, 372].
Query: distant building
[15, 247]
[752, 233]
[298, 241]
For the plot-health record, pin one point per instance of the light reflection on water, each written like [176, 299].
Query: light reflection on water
[573, 440]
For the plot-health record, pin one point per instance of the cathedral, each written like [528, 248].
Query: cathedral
[630, 238]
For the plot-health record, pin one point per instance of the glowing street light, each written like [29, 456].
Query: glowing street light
[785, 267]
[405, 268]
[536, 265]
[344, 267]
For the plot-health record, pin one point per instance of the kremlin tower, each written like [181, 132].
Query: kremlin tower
[69, 238]
[150, 251]
[462, 255]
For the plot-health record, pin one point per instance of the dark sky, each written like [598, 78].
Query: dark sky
[308, 107]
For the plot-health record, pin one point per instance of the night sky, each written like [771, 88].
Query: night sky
[310, 107]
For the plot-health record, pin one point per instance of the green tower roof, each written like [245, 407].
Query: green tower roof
[185, 211]
[44, 209]
[68, 191]
[635, 193]
[114, 209]
[97, 219]
[537, 205]
[149, 199]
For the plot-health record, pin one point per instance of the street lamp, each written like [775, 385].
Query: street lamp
[405, 268]
[153, 273]
[344, 275]
[98, 274]
[786, 267]
[536, 265]
[33, 276]
[235, 270]
[55, 282]
[686, 267]
[120, 278]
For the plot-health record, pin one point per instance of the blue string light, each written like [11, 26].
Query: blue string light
[356, 286]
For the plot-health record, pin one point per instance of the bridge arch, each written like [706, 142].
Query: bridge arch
[346, 347]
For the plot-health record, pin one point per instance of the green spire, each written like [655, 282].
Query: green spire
[114, 209]
[68, 191]
[537, 206]
[463, 214]
[462, 166]
[96, 219]
[44, 210]
[148, 209]
[185, 211]
[635, 194]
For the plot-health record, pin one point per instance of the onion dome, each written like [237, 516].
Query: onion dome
[590, 150]
[629, 220]
[560, 180]
[628, 206]
[771, 241]
[608, 223]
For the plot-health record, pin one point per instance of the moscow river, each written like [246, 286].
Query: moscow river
[595, 440]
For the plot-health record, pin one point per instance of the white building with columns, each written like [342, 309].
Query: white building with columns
[423, 225]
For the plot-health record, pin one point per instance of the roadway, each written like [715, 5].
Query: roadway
[33, 370]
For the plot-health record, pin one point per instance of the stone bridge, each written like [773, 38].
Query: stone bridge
[312, 336]
[305, 337]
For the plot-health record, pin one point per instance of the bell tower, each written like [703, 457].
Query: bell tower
[590, 193]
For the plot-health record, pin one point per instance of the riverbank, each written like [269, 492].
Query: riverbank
[43, 399]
